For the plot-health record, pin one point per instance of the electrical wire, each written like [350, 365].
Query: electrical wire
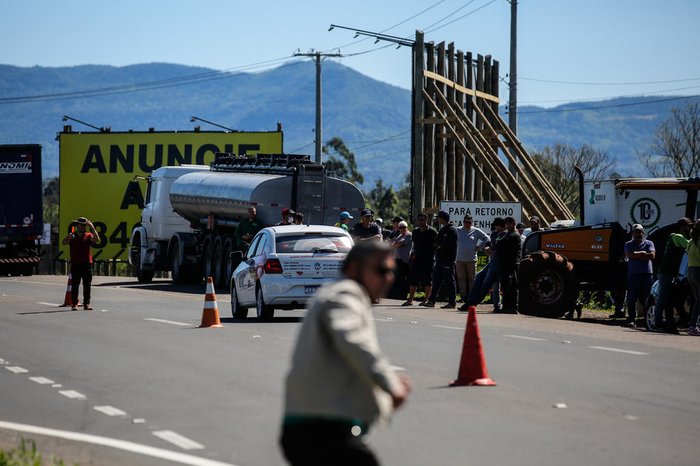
[600, 107]
[610, 83]
[460, 17]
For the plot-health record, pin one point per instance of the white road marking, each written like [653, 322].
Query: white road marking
[171, 322]
[72, 394]
[177, 439]
[48, 304]
[110, 410]
[173, 456]
[16, 369]
[2, 361]
[448, 327]
[618, 350]
[41, 380]
[521, 337]
[398, 368]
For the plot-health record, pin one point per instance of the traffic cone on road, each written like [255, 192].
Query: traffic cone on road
[210, 314]
[68, 299]
[472, 365]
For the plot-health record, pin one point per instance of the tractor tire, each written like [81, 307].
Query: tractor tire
[547, 285]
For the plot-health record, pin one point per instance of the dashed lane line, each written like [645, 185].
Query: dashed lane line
[16, 369]
[618, 350]
[178, 440]
[110, 410]
[522, 337]
[73, 395]
[41, 380]
[172, 456]
[170, 322]
[448, 327]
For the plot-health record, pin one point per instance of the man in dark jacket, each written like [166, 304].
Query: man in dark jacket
[508, 251]
[445, 256]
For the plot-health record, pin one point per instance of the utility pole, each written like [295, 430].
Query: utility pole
[513, 83]
[319, 109]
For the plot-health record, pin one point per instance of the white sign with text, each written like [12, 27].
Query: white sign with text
[483, 212]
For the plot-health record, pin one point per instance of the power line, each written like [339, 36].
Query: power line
[631, 104]
[550, 81]
[461, 17]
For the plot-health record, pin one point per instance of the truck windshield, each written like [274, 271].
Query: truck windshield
[321, 243]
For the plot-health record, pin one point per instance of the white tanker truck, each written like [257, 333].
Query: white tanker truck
[191, 211]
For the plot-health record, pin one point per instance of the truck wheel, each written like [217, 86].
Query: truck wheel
[143, 276]
[217, 259]
[547, 285]
[264, 311]
[238, 311]
[176, 271]
[207, 258]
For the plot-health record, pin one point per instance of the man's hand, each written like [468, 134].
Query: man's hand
[399, 396]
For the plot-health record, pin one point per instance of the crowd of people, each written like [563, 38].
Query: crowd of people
[441, 260]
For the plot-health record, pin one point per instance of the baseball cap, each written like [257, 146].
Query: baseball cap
[403, 224]
[637, 226]
[685, 221]
[443, 214]
[81, 220]
[379, 221]
[345, 214]
[366, 213]
[288, 211]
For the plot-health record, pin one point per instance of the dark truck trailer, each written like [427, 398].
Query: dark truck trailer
[21, 208]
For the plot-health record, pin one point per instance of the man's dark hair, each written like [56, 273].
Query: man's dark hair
[468, 217]
[364, 250]
[499, 222]
[425, 216]
[509, 220]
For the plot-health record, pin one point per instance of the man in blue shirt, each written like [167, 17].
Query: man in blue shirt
[639, 252]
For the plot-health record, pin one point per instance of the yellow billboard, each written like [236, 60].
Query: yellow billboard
[95, 170]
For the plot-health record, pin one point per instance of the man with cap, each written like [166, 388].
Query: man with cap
[365, 229]
[639, 252]
[676, 244]
[80, 241]
[445, 256]
[247, 229]
[534, 226]
[287, 217]
[345, 218]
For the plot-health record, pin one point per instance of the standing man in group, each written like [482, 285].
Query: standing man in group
[508, 251]
[344, 220]
[534, 225]
[340, 382]
[469, 241]
[365, 229]
[247, 228]
[402, 244]
[80, 241]
[445, 255]
[640, 253]
[676, 244]
[487, 279]
[287, 217]
[420, 270]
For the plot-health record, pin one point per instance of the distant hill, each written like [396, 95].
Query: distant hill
[358, 109]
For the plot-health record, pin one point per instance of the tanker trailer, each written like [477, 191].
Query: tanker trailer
[212, 202]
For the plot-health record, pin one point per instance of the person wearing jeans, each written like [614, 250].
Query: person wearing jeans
[639, 252]
[694, 278]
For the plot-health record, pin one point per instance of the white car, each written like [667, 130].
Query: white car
[284, 266]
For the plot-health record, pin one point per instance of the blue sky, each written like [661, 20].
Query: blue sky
[568, 50]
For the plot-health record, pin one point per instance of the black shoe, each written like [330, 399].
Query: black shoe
[672, 329]
[448, 306]
[427, 304]
[631, 324]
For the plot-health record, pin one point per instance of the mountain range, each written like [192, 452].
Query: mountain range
[372, 117]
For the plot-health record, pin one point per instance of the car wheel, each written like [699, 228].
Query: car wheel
[238, 311]
[650, 314]
[264, 311]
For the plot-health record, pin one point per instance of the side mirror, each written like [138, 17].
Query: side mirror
[237, 256]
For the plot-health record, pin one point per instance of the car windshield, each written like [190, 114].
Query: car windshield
[313, 243]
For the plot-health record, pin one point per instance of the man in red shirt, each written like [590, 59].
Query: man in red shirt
[81, 259]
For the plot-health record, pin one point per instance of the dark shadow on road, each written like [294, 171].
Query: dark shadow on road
[159, 286]
[48, 312]
[253, 320]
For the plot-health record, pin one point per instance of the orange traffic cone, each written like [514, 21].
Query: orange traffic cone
[210, 314]
[68, 299]
[472, 365]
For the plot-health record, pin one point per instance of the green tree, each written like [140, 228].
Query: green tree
[51, 194]
[341, 162]
[382, 200]
[676, 147]
[558, 163]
